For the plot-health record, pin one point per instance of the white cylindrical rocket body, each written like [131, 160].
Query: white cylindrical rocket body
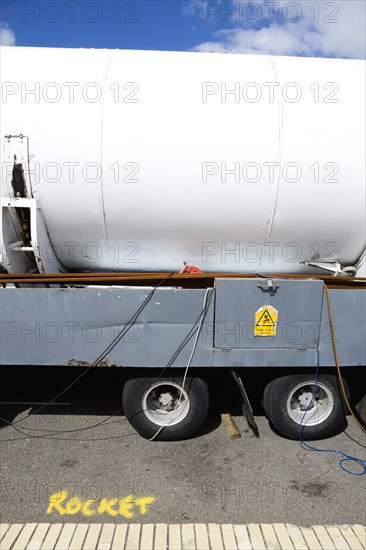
[142, 160]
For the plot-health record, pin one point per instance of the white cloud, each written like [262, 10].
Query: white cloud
[330, 29]
[7, 36]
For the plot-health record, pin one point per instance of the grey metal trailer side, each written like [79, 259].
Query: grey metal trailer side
[275, 322]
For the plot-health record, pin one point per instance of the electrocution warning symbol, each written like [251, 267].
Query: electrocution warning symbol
[265, 321]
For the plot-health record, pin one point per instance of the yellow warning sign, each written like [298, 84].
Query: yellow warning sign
[265, 321]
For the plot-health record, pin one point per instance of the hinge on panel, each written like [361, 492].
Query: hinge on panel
[226, 349]
[269, 286]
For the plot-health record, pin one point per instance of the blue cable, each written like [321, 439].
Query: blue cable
[346, 457]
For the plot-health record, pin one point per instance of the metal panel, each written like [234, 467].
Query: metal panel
[299, 309]
[74, 326]
[349, 322]
[265, 358]
[68, 326]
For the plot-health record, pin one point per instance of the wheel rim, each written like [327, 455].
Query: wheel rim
[165, 403]
[301, 398]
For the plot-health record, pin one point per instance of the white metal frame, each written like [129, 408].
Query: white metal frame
[18, 246]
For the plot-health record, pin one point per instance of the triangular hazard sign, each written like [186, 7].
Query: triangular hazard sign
[265, 319]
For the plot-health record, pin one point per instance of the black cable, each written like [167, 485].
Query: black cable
[54, 399]
[354, 440]
[109, 348]
[55, 432]
[52, 433]
[107, 420]
[128, 325]
[73, 439]
[190, 334]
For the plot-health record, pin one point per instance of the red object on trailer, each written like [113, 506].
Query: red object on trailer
[190, 269]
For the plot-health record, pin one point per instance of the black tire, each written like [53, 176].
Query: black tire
[287, 397]
[142, 402]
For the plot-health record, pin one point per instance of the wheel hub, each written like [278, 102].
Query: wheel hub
[310, 404]
[165, 399]
[165, 403]
[304, 399]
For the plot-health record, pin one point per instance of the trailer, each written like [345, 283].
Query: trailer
[93, 270]
[182, 327]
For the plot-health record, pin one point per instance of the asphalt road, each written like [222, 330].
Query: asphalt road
[109, 473]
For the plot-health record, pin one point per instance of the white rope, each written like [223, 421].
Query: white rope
[188, 364]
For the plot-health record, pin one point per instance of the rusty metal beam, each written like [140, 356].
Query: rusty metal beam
[175, 279]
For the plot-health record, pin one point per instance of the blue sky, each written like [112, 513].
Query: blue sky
[303, 27]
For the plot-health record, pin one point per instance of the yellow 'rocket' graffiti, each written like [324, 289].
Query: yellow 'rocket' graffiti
[126, 507]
